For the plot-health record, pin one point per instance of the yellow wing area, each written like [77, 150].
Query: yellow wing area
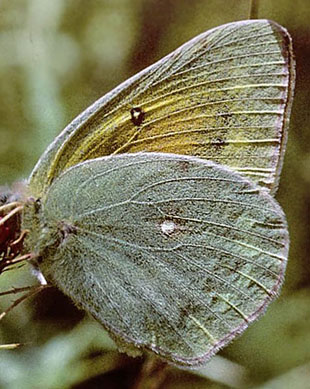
[224, 96]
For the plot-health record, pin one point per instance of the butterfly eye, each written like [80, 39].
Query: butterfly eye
[137, 116]
[37, 204]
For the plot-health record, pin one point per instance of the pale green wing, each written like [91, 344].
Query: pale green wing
[170, 253]
[224, 96]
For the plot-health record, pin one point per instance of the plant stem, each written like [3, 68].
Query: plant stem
[253, 9]
[152, 374]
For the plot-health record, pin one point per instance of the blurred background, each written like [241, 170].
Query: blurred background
[56, 58]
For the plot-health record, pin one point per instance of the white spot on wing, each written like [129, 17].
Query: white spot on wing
[168, 227]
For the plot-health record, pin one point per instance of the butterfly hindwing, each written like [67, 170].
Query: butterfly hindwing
[170, 253]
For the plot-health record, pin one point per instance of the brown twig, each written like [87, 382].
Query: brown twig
[10, 262]
[13, 268]
[5, 207]
[20, 238]
[16, 290]
[35, 290]
[11, 214]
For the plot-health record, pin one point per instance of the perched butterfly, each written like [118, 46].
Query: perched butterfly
[153, 209]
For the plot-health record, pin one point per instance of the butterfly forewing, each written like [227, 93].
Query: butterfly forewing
[224, 96]
[170, 253]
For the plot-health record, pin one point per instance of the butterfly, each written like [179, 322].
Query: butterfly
[154, 211]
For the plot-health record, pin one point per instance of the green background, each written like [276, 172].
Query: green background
[56, 58]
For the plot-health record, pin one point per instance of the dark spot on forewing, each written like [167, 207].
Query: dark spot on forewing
[137, 116]
[219, 142]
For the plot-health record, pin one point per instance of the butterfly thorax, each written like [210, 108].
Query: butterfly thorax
[44, 235]
[31, 223]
